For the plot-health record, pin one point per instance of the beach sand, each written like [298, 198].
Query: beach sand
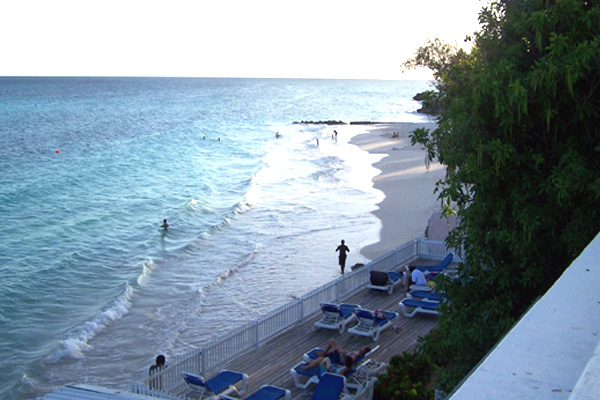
[406, 182]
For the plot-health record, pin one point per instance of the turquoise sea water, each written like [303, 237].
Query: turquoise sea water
[92, 289]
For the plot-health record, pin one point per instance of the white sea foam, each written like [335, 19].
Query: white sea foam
[147, 268]
[76, 344]
[192, 204]
[253, 195]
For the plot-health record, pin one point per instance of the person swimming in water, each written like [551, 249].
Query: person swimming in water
[165, 224]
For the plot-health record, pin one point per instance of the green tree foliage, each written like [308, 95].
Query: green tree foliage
[520, 136]
[406, 378]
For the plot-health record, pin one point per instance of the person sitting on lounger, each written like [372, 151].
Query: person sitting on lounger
[418, 278]
[327, 366]
[338, 355]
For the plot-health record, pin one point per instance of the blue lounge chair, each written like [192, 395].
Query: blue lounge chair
[418, 306]
[336, 316]
[266, 392]
[367, 369]
[369, 325]
[330, 387]
[315, 353]
[222, 383]
[425, 295]
[386, 281]
[437, 268]
[313, 375]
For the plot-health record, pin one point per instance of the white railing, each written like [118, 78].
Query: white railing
[224, 349]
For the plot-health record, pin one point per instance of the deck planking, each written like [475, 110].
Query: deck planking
[271, 362]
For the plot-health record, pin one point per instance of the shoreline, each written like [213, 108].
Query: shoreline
[405, 181]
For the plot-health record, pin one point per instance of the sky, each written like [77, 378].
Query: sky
[343, 39]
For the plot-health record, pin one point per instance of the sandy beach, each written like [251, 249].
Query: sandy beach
[408, 185]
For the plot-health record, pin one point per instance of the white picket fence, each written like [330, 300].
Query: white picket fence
[168, 383]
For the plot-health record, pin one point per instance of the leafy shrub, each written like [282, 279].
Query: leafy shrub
[407, 378]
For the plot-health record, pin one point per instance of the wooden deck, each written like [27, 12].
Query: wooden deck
[271, 363]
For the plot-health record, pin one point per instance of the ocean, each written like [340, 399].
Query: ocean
[91, 287]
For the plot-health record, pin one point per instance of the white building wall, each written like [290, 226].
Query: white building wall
[553, 352]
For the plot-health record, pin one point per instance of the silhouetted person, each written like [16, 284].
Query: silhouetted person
[343, 249]
[156, 383]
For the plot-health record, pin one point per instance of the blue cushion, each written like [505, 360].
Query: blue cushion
[267, 393]
[394, 276]
[347, 309]
[429, 305]
[447, 260]
[388, 316]
[362, 313]
[313, 353]
[330, 307]
[330, 387]
[222, 381]
[420, 294]
[437, 268]
[194, 379]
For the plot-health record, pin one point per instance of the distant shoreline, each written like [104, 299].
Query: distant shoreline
[336, 122]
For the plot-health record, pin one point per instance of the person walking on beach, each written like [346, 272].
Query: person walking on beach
[343, 249]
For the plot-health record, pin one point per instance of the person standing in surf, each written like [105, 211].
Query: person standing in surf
[165, 225]
[343, 249]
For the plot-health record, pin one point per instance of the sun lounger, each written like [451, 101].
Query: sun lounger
[369, 325]
[425, 295]
[386, 281]
[330, 387]
[222, 383]
[266, 392]
[314, 375]
[336, 316]
[436, 268]
[315, 353]
[367, 369]
[418, 306]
